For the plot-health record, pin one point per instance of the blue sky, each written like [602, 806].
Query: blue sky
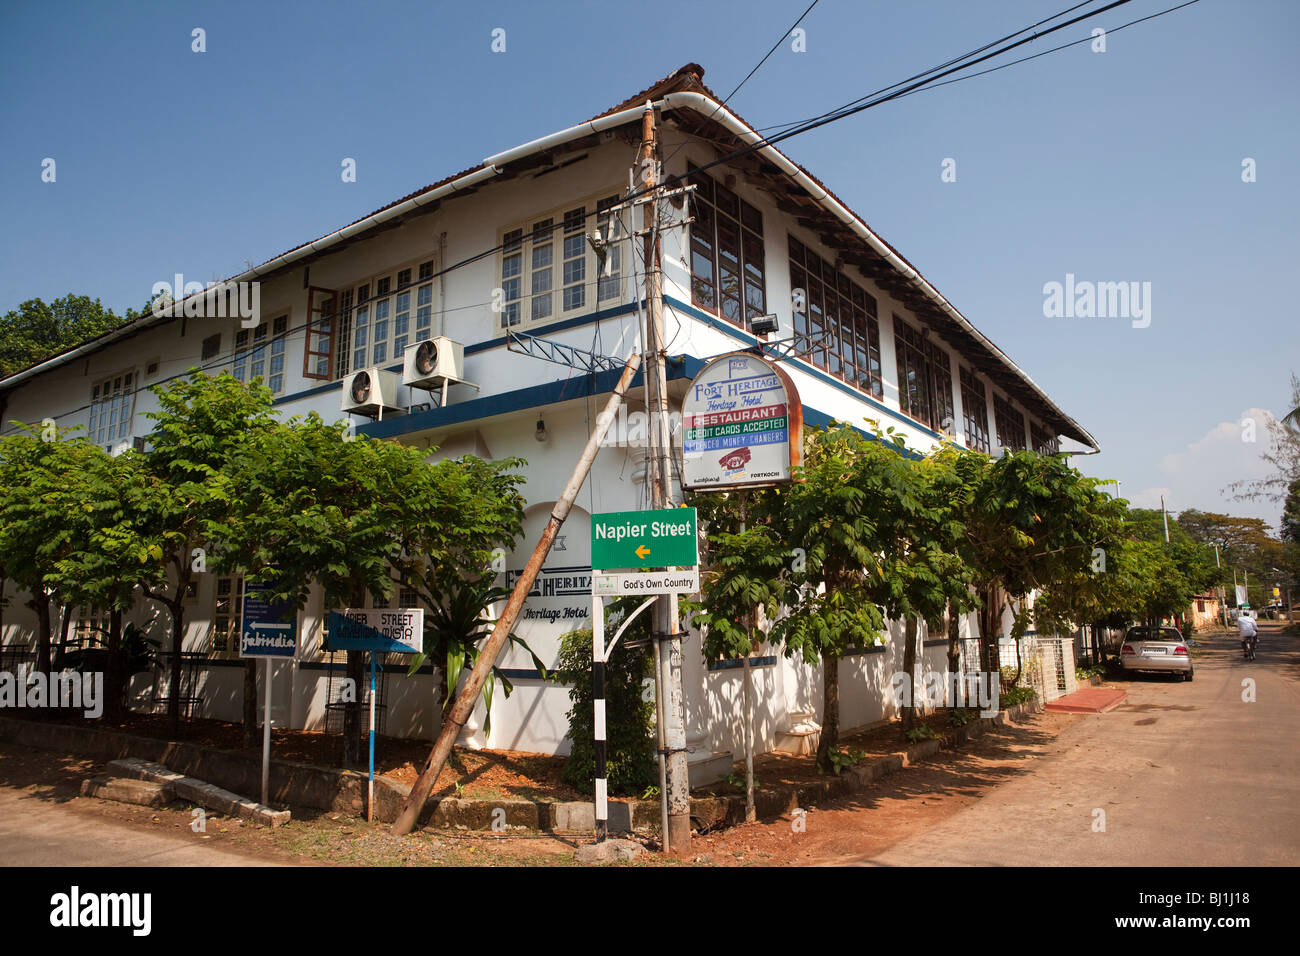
[1117, 166]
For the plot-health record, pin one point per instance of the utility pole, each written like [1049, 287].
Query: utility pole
[496, 641]
[1164, 514]
[678, 838]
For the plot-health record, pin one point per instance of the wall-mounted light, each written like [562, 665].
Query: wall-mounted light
[540, 434]
[763, 324]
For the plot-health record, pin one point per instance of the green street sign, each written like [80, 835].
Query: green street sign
[663, 538]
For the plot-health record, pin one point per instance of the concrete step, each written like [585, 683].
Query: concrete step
[797, 742]
[707, 766]
[143, 793]
[198, 791]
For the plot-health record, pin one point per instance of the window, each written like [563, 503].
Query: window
[228, 614]
[975, 411]
[1042, 440]
[111, 404]
[90, 626]
[379, 327]
[828, 304]
[727, 264]
[211, 347]
[924, 378]
[550, 270]
[1010, 424]
[260, 352]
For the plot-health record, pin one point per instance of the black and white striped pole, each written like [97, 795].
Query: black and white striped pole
[599, 656]
[602, 792]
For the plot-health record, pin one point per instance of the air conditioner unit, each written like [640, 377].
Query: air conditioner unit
[433, 362]
[369, 391]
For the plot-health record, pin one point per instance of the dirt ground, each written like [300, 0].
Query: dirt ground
[836, 831]
[917, 797]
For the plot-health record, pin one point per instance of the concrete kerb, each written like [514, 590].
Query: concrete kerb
[323, 788]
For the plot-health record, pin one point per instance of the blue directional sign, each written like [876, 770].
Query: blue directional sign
[396, 630]
[270, 627]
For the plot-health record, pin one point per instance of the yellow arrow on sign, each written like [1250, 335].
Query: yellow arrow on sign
[643, 552]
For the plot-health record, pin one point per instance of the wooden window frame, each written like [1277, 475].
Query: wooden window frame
[712, 212]
[975, 411]
[916, 354]
[322, 326]
[843, 312]
[1003, 412]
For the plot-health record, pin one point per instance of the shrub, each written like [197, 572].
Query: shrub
[630, 764]
[1016, 695]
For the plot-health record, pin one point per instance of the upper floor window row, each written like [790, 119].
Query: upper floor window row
[835, 322]
[975, 411]
[924, 378]
[549, 269]
[1042, 440]
[260, 352]
[370, 322]
[1010, 424]
[727, 259]
[111, 403]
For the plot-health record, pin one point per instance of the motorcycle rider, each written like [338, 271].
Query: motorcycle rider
[1248, 631]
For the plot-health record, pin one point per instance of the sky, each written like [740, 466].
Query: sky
[1122, 165]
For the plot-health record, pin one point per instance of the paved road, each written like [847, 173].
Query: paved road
[1188, 774]
[35, 832]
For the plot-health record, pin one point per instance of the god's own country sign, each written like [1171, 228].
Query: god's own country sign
[742, 420]
[664, 538]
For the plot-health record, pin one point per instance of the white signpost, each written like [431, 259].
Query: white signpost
[742, 420]
[666, 536]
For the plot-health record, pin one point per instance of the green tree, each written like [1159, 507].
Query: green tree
[1029, 520]
[36, 523]
[202, 428]
[828, 516]
[308, 505]
[37, 330]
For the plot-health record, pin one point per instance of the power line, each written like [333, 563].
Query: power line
[918, 84]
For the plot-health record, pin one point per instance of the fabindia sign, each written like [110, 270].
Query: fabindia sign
[741, 422]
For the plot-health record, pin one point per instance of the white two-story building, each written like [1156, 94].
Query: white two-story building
[763, 237]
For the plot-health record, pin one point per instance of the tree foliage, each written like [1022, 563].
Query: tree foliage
[37, 330]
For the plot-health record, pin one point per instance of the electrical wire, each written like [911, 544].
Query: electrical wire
[918, 84]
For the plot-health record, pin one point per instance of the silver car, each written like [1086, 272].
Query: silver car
[1156, 649]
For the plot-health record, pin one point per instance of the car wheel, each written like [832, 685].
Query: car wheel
[1188, 675]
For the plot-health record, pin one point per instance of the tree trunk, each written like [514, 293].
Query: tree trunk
[909, 665]
[40, 603]
[250, 703]
[177, 668]
[954, 641]
[352, 711]
[990, 626]
[830, 735]
[115, 676]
